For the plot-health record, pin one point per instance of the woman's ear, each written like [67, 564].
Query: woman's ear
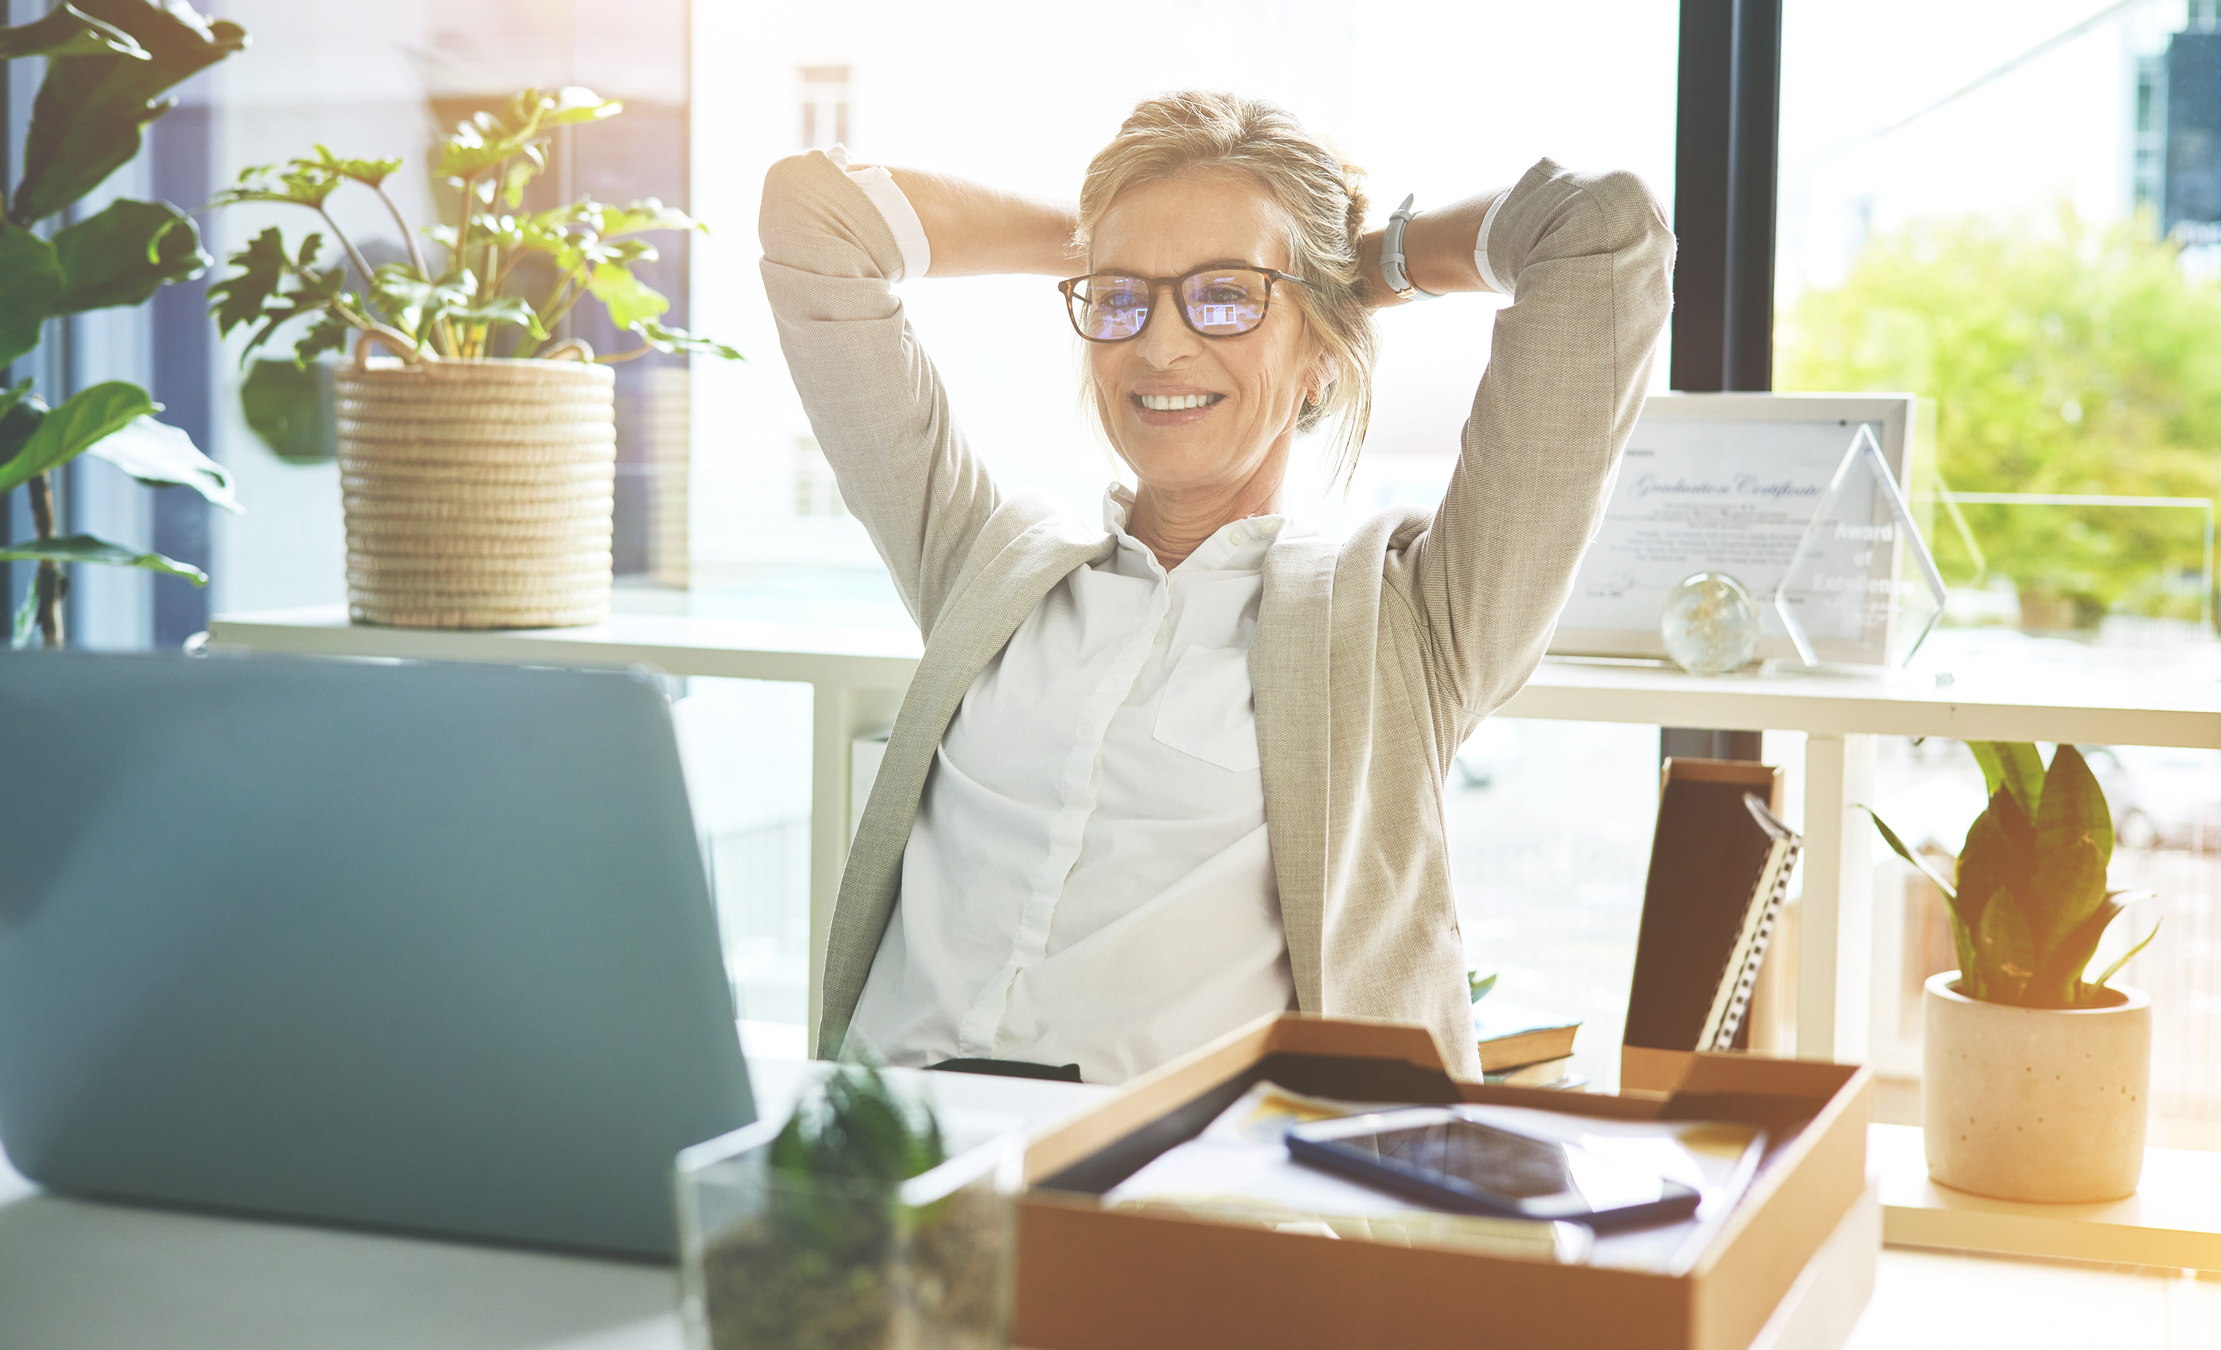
[1324, 374]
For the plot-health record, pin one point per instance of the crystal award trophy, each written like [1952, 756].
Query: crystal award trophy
[1861, 588]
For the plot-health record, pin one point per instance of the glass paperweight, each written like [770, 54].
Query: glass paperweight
[775, 1259]
[1862, 588]
[1710, 624]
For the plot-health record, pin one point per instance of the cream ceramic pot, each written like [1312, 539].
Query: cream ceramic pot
[2041, 1104]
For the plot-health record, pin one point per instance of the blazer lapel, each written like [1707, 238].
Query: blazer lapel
[1288, 674]
[970, 630]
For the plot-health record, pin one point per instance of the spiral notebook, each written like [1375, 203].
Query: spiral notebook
[1720, 864]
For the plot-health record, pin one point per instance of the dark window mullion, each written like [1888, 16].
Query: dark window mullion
[1726, 166]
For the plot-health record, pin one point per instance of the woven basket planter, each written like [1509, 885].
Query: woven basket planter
[478, 493]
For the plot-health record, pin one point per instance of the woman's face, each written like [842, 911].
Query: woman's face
[1251, 386]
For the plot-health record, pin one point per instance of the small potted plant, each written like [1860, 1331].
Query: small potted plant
[2034, 1080]
[478, 459]
[851, 1226]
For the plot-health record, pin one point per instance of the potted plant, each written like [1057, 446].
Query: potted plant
[477, 460]
[850, 1225]
[2034, 1080]
[107, 61]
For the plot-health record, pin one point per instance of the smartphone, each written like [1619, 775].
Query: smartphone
[1445, 1160]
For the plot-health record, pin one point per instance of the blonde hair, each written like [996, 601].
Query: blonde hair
[1190, 131]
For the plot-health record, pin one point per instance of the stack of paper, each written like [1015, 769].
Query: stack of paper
[1238, 1171]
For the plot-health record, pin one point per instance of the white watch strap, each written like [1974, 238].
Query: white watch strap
[1392, 270]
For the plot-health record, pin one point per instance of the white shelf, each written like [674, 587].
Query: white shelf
[2174, 1219]
[1984, 705]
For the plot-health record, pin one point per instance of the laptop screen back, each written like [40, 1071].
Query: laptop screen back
[418, 947]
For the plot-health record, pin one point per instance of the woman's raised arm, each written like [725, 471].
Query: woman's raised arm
[1588, 261]
[831, 248]
[976, 229]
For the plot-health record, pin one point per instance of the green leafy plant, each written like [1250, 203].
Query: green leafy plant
[2028, 901]
[107, 63]
[473, 298]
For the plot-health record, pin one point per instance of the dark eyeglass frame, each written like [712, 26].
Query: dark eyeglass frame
[1072, 301]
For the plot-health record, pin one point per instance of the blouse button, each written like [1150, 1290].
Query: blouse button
[1238, 536]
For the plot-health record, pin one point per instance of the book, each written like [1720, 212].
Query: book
[1719, 868]
[1511, 1036]
[1547, 1073]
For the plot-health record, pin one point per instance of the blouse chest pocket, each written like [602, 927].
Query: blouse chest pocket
[1208, 710]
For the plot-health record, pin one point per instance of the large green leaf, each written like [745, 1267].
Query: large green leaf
[509, 309]
[291, 408]
[2063, 890]
[672, 340]
[645, 214]
[30, 282]
[123, 254]
[87, 118]
[417, 304]
[2110, 971]
[2059, 980]
[1994, 856]
[2073, 808]
[576, 103]
[630, 300]
[1970, 964]
[1897, 846]
[256, 294]
[489, 138]
[2004, 948]
[2013, 765]
[66, 30]
[263, 264]
[369, 172]
[163, 456]
[83, 548]
[75, 427]
[294, 183]
[20, 411]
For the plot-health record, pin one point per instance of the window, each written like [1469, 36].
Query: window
[824, 106]
[1023, 95]
[2015, 217]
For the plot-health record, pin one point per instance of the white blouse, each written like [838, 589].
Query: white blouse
[1088, 879]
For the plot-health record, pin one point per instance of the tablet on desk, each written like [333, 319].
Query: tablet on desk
[1441, 1156]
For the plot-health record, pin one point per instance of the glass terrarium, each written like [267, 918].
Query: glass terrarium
[774, 1256]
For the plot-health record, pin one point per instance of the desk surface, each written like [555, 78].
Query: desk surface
[2025, 702]
[81, 1276]
[77, 1275]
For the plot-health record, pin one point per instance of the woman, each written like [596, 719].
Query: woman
[1154, 780]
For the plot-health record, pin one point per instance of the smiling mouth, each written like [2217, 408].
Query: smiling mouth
[1175, 402]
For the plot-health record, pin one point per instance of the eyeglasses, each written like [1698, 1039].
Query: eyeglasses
[1215, 301]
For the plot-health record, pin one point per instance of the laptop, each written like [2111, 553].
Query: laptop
[412, 947]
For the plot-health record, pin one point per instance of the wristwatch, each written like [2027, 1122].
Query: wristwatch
[1392, 255]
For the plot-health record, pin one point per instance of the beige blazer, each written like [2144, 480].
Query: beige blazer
[1375, 657]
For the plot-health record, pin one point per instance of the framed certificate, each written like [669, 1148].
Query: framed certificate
[1723, 483]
